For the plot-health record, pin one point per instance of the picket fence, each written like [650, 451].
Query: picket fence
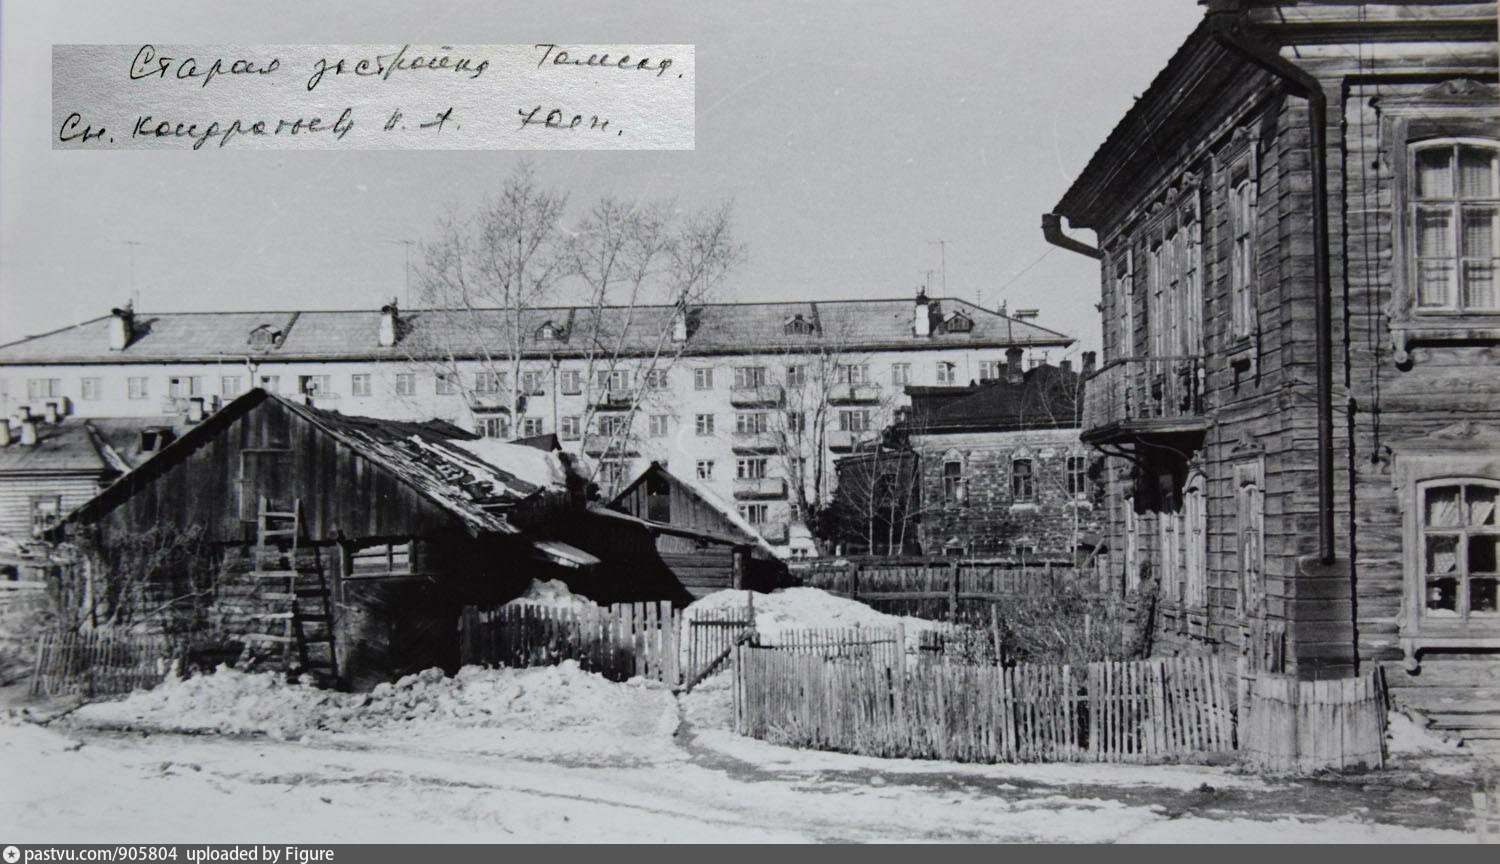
[882, 646]
[1288, 725]
[1153, 710]
[98, 663]
[626, 640]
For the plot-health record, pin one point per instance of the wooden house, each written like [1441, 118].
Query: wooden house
[1299, 228]
[702, 540]
[344, 546]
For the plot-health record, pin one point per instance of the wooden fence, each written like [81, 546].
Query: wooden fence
[943, 588]
[709, 637]
[620, 641]
[882, 646]
[98, 663]
[1154, 710]
[1291, 725]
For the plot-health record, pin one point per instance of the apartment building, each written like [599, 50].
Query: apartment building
[754, 400]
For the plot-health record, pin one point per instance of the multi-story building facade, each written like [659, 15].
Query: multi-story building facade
[754, 400]
[1299, 228]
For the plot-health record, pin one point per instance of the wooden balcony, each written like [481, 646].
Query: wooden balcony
[759, 489]
[764, 395]
[1135, 397]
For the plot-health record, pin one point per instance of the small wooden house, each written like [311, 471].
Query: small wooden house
[703, 541]
[343, 546]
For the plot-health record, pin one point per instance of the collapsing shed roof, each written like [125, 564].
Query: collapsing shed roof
[425, 456]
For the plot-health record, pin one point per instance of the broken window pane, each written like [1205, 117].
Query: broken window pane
[1482, 554]
[1481, 505]
[1442, 554]
[1482, 595]
[1442, 596]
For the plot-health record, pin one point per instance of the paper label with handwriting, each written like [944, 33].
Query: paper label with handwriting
[546, 96]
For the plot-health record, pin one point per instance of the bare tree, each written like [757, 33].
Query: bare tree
[495, 285]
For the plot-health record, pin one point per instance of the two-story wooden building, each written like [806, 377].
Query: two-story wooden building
[1299, 228]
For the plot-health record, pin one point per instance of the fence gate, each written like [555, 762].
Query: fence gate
[710, 637]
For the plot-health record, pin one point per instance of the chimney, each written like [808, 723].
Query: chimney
[4, 432]
[28, 432]
[922, 315]
[680, 323]
[121, 327]
[1088, 362]
[1013, 371]
[25, 413]
[1066, 366]
[195, 410]
[390, 316]
[50, 412]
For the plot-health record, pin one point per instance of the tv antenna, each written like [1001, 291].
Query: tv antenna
[406, 300]
[135, 291]
[942, 261]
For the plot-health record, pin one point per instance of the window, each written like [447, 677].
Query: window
[359, 384]
[703, 379]
[1078, 481]
[751, 422]
[570, 381]
[953, 482]
[746, 377]
[854, 420]
[570, 427]
[270, 383]
[946, 372]
[314, 385]
[1195, 540]
[613, 425]
[229, 386]
[1176, 299]
[492, 425]
[1132, 545]
[382, 561]
[1250, 535]
[531, 383]
[755, 514]
[488, 383]
[447, 383]
[92, 387]
[46, 510]
[750, 469]
[406, 383]
[659, 425]
[613, 379]
[43, 388]
[137, 388]
[991, 370]
[1459, 544]
[704, 424]
[1125, 305]
[182, 387]
[531, 426]
[1022, 482]
[798, 326]
[796, 377]
[265, 336]
[958, 322]
[154, 438]
[1456, 225]
[851, 373]
[796, 422]
[900, 373]
[1242, 254]
[656, 379]
[612, 473]
[705, 469]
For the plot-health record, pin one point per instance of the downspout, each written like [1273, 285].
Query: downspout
[1053, 233]
[1226, 29]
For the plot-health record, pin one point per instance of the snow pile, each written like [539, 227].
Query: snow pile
[550, 699]
[811, 609]
[553, 593]
[1408, 737]
[537, 467]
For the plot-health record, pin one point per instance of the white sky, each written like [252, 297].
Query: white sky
[848, 134]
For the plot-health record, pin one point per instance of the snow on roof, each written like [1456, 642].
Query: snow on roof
[540, 468]
[729, 512]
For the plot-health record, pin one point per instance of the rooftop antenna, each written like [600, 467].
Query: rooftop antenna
[942, 261]
[406, 300]
[135, 292]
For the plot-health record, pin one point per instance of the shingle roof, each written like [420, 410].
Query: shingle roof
[1047, 397]
[354, 335]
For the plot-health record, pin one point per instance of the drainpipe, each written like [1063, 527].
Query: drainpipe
[1226, 27]
[1052, 232]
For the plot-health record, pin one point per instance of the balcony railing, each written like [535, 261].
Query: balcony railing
[842, 441]
[773, 532]
[613, 398]
[746, 488]
[854, 394]
[1134, 395]
[763, 394]
[755, 442]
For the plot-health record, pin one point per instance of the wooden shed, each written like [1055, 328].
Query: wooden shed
[342, 546]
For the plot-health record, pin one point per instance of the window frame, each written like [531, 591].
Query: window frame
[1022, 483]
[1455, 204]
[360, 384]
[137, 387]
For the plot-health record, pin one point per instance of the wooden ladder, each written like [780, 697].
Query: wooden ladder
[294, 625]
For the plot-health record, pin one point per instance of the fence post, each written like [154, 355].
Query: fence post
[853, 580]
[953, 592]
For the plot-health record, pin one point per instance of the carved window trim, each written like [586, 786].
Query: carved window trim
[1241, 164]
[1458, 109]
